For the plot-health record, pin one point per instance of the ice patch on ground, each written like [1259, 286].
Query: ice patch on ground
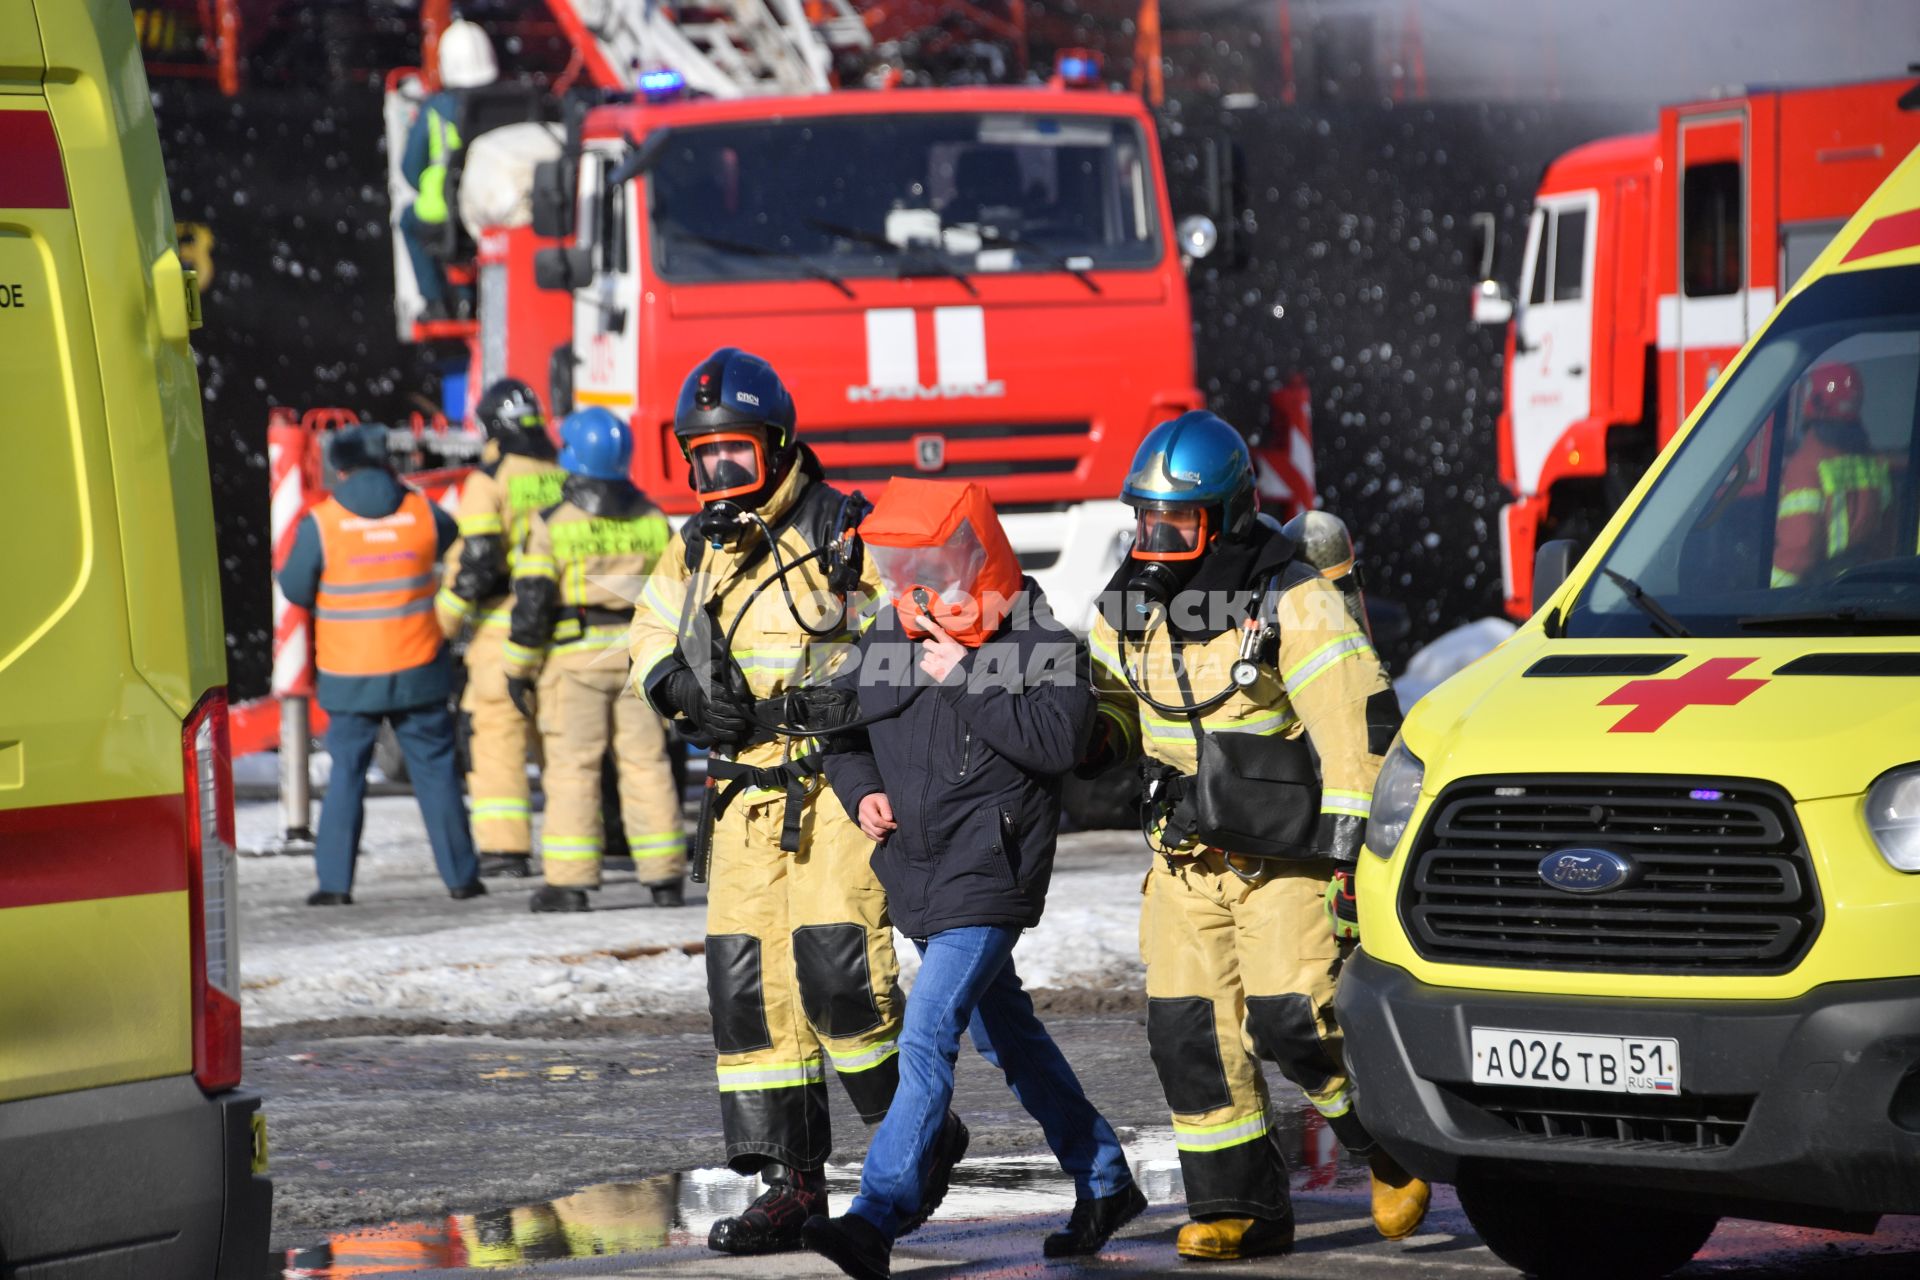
[1448, 655]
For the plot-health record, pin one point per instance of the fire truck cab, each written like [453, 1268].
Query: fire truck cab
[979, 283]
[1649, 261]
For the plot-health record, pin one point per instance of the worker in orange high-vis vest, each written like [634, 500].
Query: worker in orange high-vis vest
[366, 561]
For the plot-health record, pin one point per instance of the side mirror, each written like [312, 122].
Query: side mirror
[1551, 565]
[563, 268]
[1198, 235]
[1492, 304]
[553, 199]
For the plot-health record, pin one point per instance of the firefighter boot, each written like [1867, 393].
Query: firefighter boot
[669, 895]
[772, 1223]
[1220, 1239]
[553, 897]
[516, 866]
[1399, 1198]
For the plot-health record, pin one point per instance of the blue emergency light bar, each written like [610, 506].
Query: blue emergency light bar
[658, 86]
[1078, 68]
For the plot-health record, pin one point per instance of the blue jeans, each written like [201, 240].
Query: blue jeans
[967, 980]
[426, 740]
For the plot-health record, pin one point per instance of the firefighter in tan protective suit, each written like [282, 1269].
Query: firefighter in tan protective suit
[1219, 656]
[582, 563]
[800, 961]
[517, 476]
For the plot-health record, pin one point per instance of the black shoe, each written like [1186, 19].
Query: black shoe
[472, 889]
[771, 1224]
[669, 895]
[551, 897]
[948, 1150]
[1093, 1221]
[321, 898]
[517, 866]
[852, 1244]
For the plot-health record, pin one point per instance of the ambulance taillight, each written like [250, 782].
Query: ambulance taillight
[212, 894]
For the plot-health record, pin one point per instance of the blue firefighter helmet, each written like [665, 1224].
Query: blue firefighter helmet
[1196, 462]
[595, 443]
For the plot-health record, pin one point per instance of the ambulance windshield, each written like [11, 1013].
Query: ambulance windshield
[896, 195]
[1791, 509]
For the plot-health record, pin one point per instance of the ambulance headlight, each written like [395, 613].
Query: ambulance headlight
[1395, 792]
[1893, 816]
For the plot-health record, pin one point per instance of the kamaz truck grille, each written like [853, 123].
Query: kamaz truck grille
[1718, 876]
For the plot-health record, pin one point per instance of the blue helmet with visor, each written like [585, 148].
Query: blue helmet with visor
[1191, 481]
[596, 444]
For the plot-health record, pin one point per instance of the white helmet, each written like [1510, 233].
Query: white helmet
[466, 56]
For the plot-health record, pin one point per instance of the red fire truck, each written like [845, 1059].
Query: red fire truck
[964, 282]
[1649, 260]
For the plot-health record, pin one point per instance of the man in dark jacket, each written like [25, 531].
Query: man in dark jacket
[366, 560]
[977, 709]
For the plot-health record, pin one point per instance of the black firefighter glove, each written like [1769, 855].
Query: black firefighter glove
[719, 720]
[520, 693]
[821, 709]
[1102, 752]
[1343, 908]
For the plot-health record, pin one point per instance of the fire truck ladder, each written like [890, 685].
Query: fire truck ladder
[729, 48]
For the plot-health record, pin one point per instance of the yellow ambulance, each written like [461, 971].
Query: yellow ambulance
[126, 1147]
[1640, 911]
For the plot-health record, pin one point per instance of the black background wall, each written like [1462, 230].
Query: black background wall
[1358, 276]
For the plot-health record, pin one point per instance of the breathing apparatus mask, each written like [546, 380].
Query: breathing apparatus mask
[1169, 542]
[939, 548]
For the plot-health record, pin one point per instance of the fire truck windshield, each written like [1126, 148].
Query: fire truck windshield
[911, 194]
[1791, 506]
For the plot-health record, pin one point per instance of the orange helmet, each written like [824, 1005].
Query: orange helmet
[1834, 393]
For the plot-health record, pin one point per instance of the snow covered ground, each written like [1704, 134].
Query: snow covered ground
[404, 950]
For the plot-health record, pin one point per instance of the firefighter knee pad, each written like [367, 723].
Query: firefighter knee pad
[836, 985]
[1286, 1033]
[736, 993]
[1185, 1043]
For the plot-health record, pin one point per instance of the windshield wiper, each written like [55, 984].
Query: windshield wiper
[916, 264]
[1832, 619]
[1637, 596]
[761, 251]
[994, 235]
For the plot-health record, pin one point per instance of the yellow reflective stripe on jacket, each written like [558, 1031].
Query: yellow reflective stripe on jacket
[1842, 477]
[613, 636]
[457, 606]
[480, 526]
[1323, 659]
[518, 655]
[1218, 1137]
[442, 140]
[1334, 1107]
[531, 566]
[1357, 803]
[771, 1075]
[1263, 722]
[1799, 502]
[1784, 577]
[1103, 653]
[1123, 727]
[862, 1059]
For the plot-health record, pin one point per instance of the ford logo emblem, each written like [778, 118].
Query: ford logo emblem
[1586, 870]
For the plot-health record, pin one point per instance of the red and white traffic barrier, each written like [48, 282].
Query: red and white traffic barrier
[1283, 459]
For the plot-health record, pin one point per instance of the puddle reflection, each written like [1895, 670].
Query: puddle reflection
[678, 1208]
